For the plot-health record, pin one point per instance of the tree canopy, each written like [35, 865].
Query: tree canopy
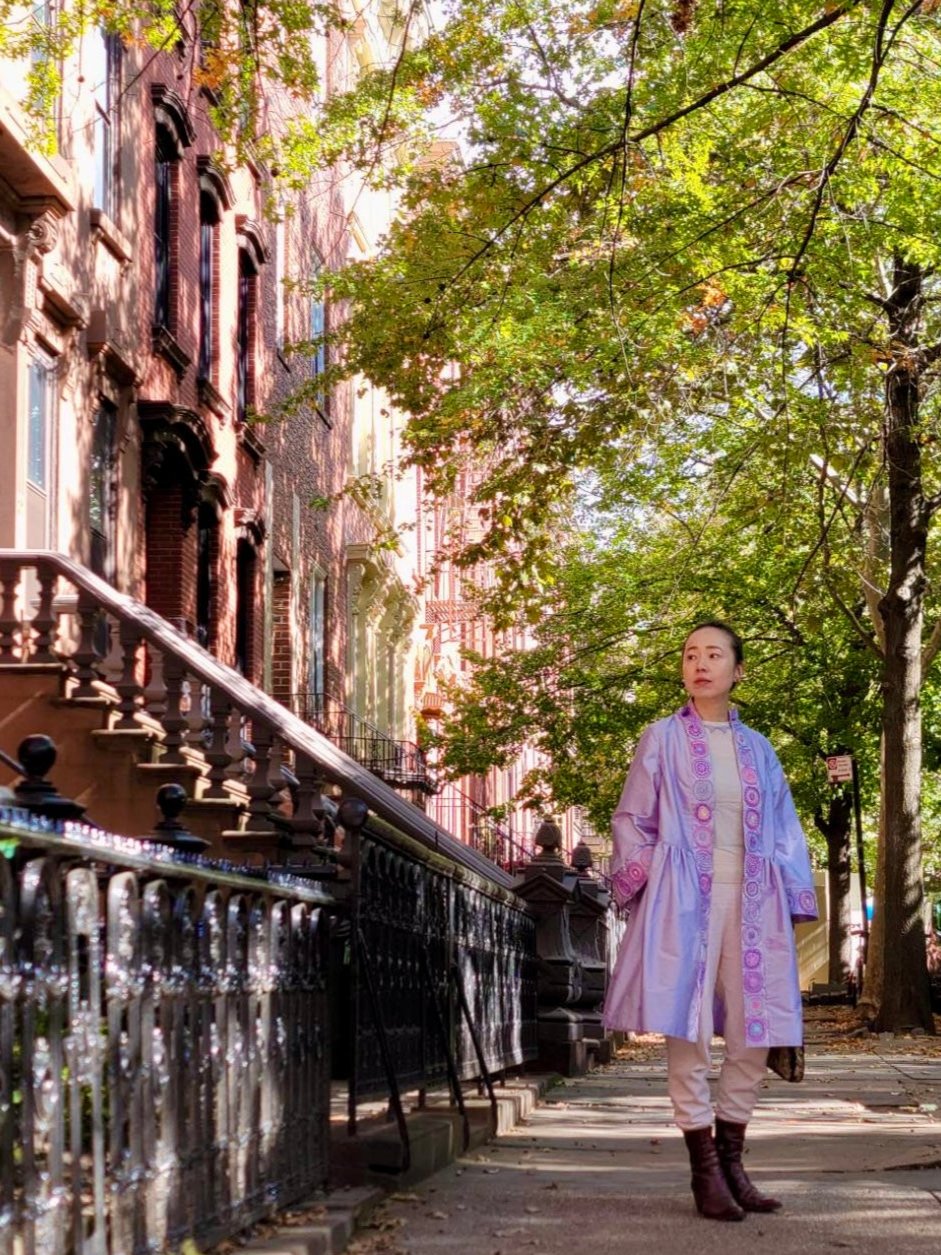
[690, 243]
[666, 247]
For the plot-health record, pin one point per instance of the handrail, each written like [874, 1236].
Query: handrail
[253, 702]
[447, 793]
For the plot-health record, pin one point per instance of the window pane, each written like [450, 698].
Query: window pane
[280, 297]
[206, 234]
[103, 164]
[99, 474]
[37, 455]
[162, 240]
[317, 634]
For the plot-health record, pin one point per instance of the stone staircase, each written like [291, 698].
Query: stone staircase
[115, 772]
[133, 704]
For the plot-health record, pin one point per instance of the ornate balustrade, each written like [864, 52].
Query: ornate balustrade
[164, 1061]
[52, 610]
[185, 1017]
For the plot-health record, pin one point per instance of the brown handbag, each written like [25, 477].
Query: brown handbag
[787, 1062]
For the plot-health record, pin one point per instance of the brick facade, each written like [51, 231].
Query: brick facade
[240, 532]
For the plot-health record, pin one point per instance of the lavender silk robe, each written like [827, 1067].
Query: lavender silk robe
[662, 867]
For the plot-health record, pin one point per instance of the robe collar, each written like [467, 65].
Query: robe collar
[689, 711]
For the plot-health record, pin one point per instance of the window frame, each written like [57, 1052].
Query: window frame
[105, 123]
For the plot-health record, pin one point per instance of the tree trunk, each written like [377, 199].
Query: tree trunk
[906, 999]
[836, 828]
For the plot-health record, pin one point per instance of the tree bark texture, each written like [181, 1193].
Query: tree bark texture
[906, 994]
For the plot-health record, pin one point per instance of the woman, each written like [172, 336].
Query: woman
[711, 858]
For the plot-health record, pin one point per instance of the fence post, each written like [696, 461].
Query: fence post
[588, 916]
[547, 885]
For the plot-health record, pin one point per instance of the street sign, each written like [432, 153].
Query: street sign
[840, 768]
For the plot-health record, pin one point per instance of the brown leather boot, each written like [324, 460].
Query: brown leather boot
[730, 1141]
[712, 1195]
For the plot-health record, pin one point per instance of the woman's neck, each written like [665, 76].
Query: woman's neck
[712, 710]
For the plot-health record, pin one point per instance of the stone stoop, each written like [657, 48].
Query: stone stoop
[114, 772]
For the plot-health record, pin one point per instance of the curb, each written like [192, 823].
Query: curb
[436, 1135]
[344, 1210]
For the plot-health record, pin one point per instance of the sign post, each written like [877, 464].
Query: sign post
[842, 769]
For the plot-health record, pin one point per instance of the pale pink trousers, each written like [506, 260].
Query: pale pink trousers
[688, 1062]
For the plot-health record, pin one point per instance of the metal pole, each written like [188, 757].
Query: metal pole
[860, 858]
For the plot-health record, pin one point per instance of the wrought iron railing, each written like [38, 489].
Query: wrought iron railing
[421, 904]
[399, 763]
[475, 826]
[164, 1062]
[443, 973]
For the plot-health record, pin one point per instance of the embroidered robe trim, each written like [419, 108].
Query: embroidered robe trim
[664, 833]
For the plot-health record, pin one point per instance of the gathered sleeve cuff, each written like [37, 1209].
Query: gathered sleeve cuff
[790, 850]
[635, 826]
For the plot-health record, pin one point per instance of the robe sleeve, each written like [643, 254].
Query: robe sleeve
[635, 825]
[790, 848]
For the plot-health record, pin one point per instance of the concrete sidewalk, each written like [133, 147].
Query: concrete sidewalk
[854, 1152]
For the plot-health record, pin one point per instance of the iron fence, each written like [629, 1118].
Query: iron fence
[164, 1061]
[444, 976]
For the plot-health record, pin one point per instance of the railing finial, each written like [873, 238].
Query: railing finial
[171, 798]
[34, 792]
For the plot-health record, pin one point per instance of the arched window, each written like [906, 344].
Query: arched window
[173, 135]
[252, 256]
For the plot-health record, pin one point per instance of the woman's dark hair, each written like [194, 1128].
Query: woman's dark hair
[738, 645]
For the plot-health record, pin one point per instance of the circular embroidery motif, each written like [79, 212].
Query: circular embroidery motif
[749, 775]
[702, 836]
[751, 936]
[701, 768]
[752, 890]
[702, 790]
[752, 841]
[755, 1030]
[703, 813]
[751, 914]
[808, 903]
[705, 883]
[752, 865]
[752, 959]
[752, 819]
[752, 982]
[694, 728]
[699, 748]
[703, 861]
[752, 796]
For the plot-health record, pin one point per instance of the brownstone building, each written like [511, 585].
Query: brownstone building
[154, 301]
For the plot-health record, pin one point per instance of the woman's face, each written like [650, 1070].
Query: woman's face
[709, 666]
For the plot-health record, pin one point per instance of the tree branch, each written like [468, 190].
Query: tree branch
[867, 637]
[655, 128]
